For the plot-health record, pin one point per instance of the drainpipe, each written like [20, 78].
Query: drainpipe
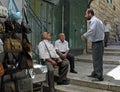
[63, 19]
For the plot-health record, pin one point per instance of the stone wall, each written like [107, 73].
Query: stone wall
[110, 12]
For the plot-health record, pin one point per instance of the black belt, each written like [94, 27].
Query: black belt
[98, 41]
[55, 59]
[43, 60]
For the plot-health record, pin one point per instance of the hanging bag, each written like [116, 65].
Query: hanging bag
[12, 26]
[3, 11]
[2, 27]
[25, 27]
[25, 61]
[11, 63]
[1, 46]
[14, 13]
[27, 46]
[1, 70]
[12, 45]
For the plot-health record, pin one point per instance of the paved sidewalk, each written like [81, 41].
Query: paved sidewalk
[79, 82]
[81, 79]
[107, 59]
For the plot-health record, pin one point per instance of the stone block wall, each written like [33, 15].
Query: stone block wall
[110, 12]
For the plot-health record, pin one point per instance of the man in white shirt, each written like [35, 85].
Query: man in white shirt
[49, 56]
[61, 46]
[107, 32]
[96, 35]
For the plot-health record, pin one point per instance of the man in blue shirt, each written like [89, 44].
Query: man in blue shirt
[95, 34]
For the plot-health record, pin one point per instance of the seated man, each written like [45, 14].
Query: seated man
[62, 49]
[48, 54]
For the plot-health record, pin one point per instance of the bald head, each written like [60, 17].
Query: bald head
[46, 36]
[62, 37]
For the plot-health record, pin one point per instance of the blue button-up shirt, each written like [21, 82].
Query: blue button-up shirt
[96, 30]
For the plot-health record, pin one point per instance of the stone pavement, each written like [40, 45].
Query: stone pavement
[81, 79]
[79, 82]
[111, 55]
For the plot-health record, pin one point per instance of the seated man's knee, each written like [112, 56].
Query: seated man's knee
[70, 56]
[65, 63]
[51, 70]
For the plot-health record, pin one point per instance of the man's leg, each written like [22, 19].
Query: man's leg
[61, 56]
[50, 76]
[106, 38]
[97, 55]
[70, 57]
[63, 70]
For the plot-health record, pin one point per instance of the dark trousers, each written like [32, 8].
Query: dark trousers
[106, 38]
[70, 57]
[63, 69]
[97, 55]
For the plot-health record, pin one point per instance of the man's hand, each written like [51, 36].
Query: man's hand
[59, 60]
[54, 63]
[64, 55]
[82, 37]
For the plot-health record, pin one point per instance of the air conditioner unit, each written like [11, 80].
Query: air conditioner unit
[55, 2]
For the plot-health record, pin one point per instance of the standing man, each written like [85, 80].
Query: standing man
[107, 32]
[96, 35]
[62, 48]
[49, 56]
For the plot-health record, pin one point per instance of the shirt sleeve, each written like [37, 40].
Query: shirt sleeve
[56, 45]
[68, 47]
[43, 54]
[92, 29]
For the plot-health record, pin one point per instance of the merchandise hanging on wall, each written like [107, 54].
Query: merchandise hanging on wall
[14, 13]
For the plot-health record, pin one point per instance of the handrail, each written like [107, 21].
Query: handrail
[36, 18]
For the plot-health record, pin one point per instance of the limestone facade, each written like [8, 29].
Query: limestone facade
[110, 12]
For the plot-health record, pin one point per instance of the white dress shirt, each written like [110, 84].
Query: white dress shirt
[61, 46]
[43, 52]
[107, 27]
[96, 31]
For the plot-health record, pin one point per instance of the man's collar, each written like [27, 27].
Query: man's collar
[92, 18]
[61, 41]
[46, 40]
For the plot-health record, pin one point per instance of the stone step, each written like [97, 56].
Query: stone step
[76, 88]
[82, 83]
[114, 53]
[112, 49]
[115, 60]
[85, 69]
[108, 86]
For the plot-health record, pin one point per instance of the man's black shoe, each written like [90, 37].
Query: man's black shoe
[98, 79]
[73, 71]
[93, 76]
[63, 82]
